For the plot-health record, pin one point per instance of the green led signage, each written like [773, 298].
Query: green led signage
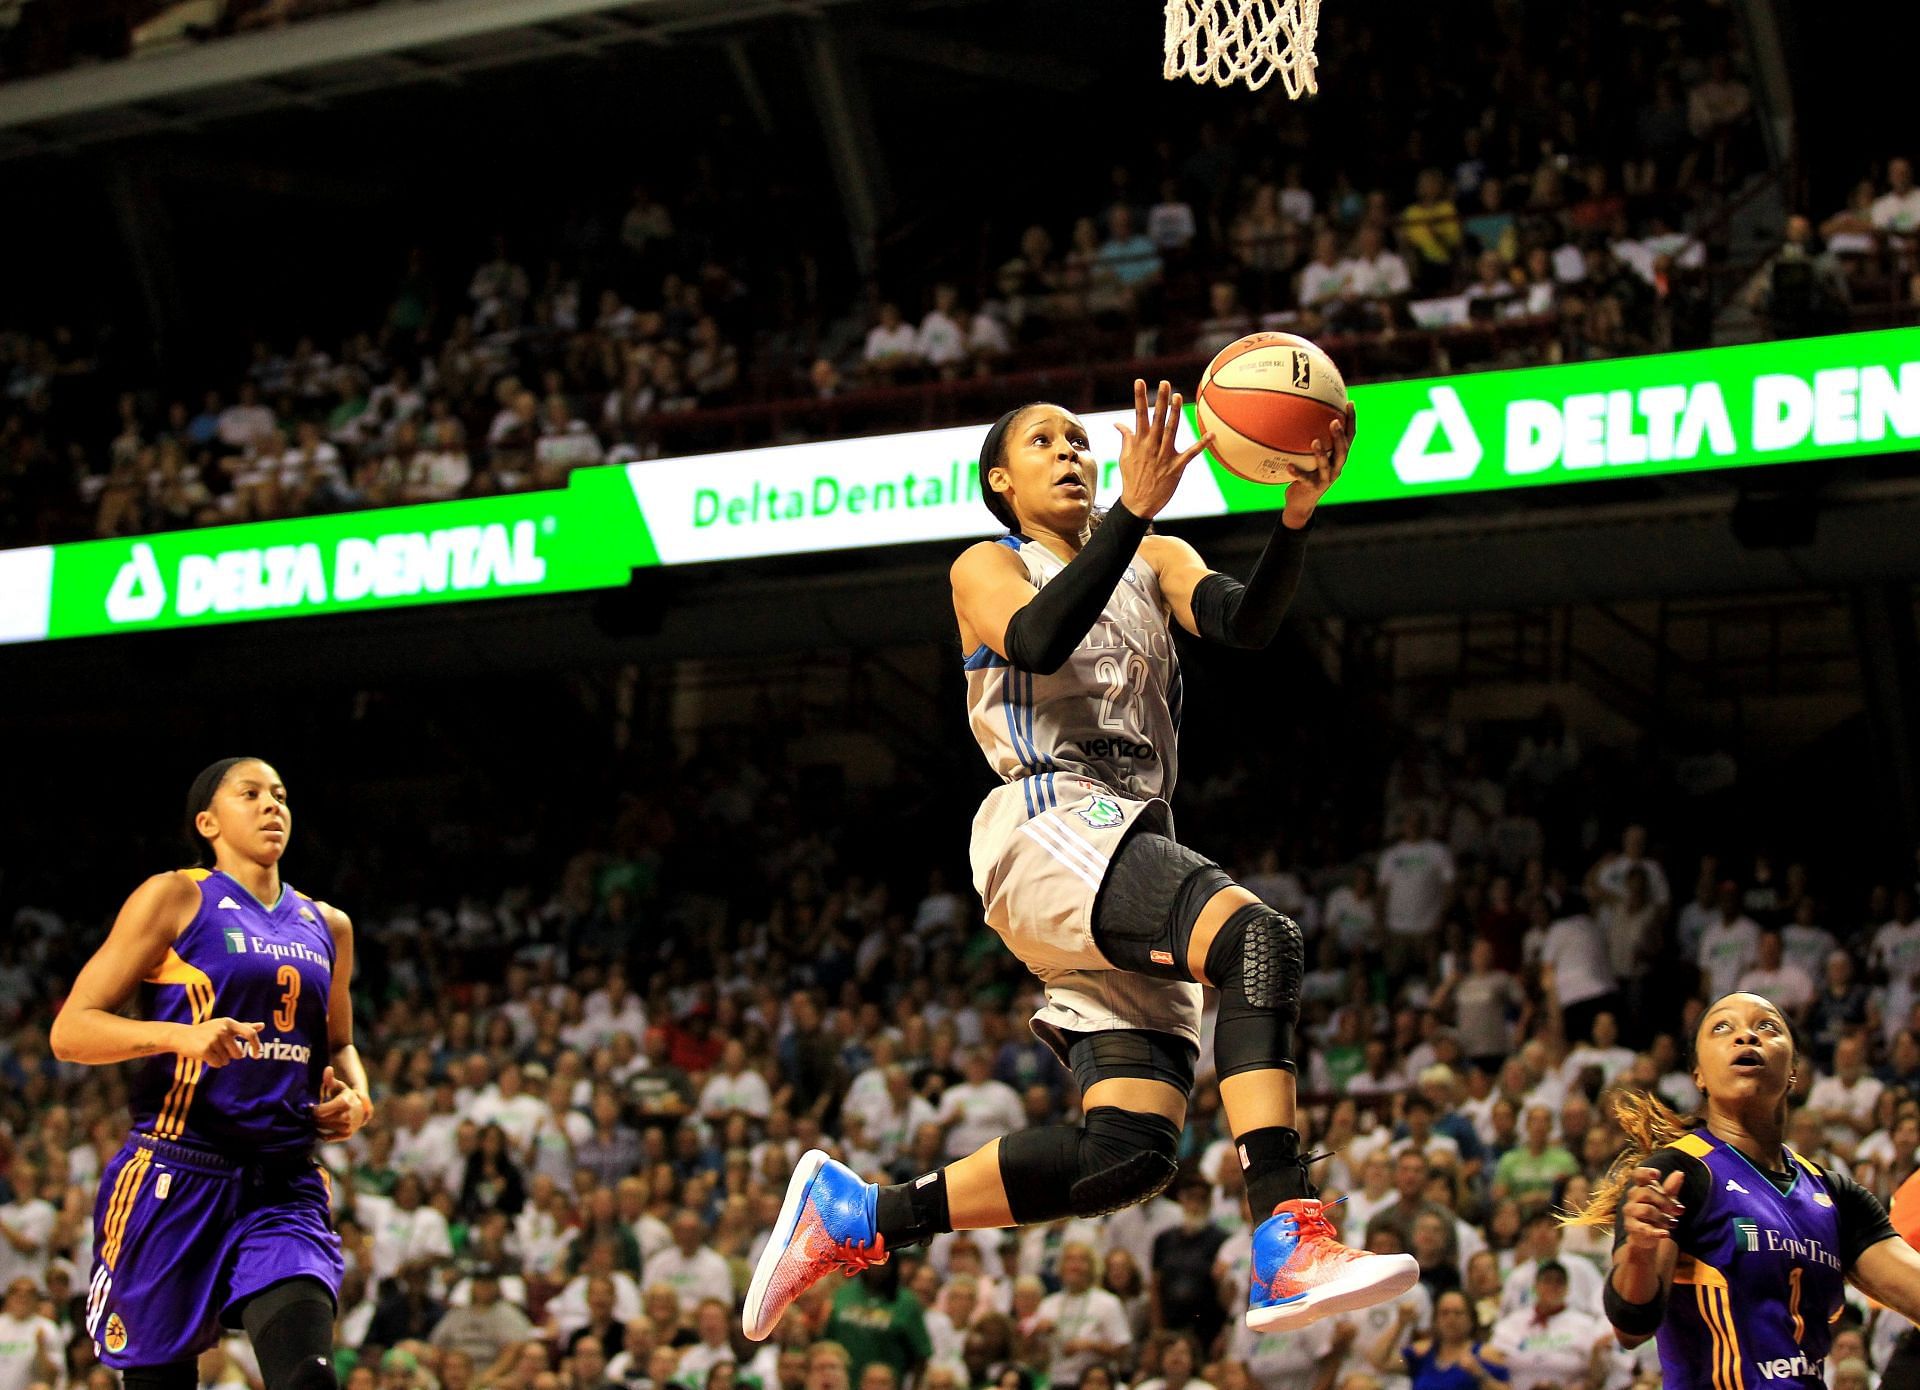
[1738, 407]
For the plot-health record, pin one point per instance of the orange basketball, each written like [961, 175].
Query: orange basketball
[1265, 399]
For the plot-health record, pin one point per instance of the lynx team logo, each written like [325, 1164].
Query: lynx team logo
[1101, 812]
[116, 1338]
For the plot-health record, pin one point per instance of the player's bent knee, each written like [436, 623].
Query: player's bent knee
[1119, 1157]
[1126, 1156]
[1258, 960]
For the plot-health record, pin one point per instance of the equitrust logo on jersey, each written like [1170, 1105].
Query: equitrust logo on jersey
[1753, 1238]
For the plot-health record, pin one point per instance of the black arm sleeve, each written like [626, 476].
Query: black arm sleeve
[1863, 1222]
[1043, 634]
[1248, 615]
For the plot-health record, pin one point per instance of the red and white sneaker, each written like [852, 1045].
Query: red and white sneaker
[826, 1223]
[1302, 1273]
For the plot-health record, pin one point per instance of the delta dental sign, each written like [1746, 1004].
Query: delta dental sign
[1684, 423]
[1818, 398]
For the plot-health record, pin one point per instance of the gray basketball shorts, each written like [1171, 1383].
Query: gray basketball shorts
[1039, 876]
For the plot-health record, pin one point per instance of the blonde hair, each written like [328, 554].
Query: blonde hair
[1649, 1124]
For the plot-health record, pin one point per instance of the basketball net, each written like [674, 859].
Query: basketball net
[1250, 41]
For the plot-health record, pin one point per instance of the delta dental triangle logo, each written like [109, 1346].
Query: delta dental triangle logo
[139, 594]
[1416, 461]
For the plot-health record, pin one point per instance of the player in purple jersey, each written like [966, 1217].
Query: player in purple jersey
[214, 1214]
[1730, 1247]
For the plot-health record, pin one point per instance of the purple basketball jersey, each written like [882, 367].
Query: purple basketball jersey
[1758, 1283]
[241, 959]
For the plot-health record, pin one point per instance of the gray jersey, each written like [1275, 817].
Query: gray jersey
[1111, 714]
[1087, 756]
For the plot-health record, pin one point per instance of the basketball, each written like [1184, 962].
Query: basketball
[1265, 399]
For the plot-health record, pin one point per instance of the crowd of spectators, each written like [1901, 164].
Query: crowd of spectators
[592, 1090]
[1520, 220]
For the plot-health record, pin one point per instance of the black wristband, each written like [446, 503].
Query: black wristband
[1042, 635]
[1634, 1319]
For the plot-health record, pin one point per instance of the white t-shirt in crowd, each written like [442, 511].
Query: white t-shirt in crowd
[703, 1274]
[941, 339]
[1577, 950]
[1415, 875]
[20, 1341]
[1808, 948]
[32, 1220]
[1856, 1100]
[1727, 951]
[1896, 950]
[1788, 986]
[1551, 1351]
[900, 341]
[1611, 1061]
[1383, 276]
[746, 1092]
[1320, 283]
[1348, 919]
[568, 1312]
[981, 1113]
[518, 1116]
[1094, 1315]
[1897, 212]
[1586, 1287]
[400, 1237]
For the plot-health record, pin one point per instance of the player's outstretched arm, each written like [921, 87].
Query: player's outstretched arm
[89, 1028]
[1219, 607]
[1889, 1273]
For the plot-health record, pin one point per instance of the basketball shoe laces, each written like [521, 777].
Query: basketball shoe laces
[851, 1257]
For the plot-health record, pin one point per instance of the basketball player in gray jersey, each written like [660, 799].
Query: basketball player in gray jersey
[1073, 692]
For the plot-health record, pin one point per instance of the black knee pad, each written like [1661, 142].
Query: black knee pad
[1153, 893]
[1257, 962]
[1116, 1159]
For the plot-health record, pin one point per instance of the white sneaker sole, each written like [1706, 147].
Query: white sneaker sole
[1366, 1282]
[751, 1312]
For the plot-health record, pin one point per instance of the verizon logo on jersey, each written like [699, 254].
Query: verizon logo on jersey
[274, 1050]
[1794, 1367]
[1117, 748]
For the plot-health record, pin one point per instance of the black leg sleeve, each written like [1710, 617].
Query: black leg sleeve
[291, 1328]
[174, 1375]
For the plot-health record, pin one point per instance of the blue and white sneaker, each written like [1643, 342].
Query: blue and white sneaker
[1302, 1273]
[826, 1222]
